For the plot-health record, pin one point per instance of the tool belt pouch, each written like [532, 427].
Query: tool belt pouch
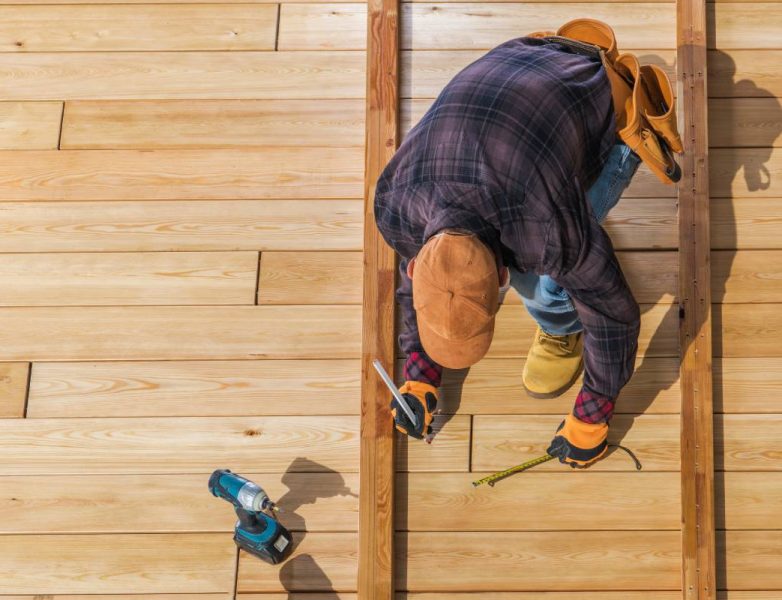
[642, 97]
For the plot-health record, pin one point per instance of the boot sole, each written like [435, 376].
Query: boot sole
[560, 391]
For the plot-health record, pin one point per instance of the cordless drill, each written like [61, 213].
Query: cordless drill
[257, 531]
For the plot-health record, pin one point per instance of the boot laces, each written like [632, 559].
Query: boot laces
[555, 340]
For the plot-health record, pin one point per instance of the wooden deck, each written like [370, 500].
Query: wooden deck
[180, 263]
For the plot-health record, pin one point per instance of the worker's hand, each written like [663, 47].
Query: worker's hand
[579, 444]
[422, 399]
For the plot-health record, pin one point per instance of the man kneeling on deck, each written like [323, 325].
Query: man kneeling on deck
[502, 183]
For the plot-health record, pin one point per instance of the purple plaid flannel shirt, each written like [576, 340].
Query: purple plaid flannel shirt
[507, 151]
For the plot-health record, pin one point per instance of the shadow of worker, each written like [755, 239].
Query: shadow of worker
[307, 482]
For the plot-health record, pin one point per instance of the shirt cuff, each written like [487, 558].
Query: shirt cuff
[592, 408]
[419, 367]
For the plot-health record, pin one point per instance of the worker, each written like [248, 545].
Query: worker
[504, 182]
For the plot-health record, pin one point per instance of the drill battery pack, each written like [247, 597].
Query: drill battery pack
[273, 544]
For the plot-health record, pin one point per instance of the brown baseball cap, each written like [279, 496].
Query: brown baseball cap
[456, 294]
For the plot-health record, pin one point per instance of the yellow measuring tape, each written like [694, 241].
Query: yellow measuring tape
[492, 479]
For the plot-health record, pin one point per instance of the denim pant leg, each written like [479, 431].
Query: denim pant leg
[548, 303]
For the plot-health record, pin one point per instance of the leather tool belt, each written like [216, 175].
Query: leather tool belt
[642, 95]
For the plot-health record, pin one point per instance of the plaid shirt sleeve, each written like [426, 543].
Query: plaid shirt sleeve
[610, 315]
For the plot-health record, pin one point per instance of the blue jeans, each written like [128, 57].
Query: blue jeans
[548, 303]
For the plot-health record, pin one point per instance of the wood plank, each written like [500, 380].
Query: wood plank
[626, 560]
[749, 501]
[493, 387]
[183, 445]
[188, 332]
[501, 442]
[147, 124]
[192, 388]
[450, 450]
[139, 278]
[751, 223]
[745, 122]
[189, 75]
[746, 276]
[746, 172]
[655, 595]
[744, 331]
[425, 73]
[180, 226]
[449, 502]
[310, 278]
[321, 562]
[745, 26]
[377, 456]
[747, 385]
[90, 503]
[746, 442]
[13, 389]
[751, 560]
[744, 73]
[333, 26]
[642, 225]
[250, 174]
[450, 26]
[698, 552]
[107, 28]
[116, 563]
[197, 596]
[30, 125]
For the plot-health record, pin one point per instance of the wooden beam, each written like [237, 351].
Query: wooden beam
[376, 518]
[697, 449]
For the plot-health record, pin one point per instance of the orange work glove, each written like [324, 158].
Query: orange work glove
[422, 399]
[579, 444]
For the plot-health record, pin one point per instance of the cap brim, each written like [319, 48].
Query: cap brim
[453, 354]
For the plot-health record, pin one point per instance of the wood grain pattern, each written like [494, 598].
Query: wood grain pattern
[745, 122]
[30, 125]
[646, 595]
[746, 172]
[189, 75]
[449, 502]
[181, 174]
[182, 226]
[332, 26]
[145, 124]
[750, 223]
[193, 388]
[540, 560]
[744, 73]
[749, 501]
[460, 26]
[191, 332]
[127, 279]
[450, 450]
[494, 387]
[501, 442]
[114, 28]
[751, 560]
[747, 385]
[90, 503]
[744, 331]
[746, 276]
[13, 389]
[78, 564]
[642, 225]
[183, 445]
[745, 26]
[321, 562]
[746, 442]
[310, 278]
[425, 73]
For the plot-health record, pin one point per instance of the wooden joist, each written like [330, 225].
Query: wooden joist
[156, 278]
[30, 125]
[111, 28]
[155, 124]
[310, 278]
[251, 174]
[221, 225]
[189, 75]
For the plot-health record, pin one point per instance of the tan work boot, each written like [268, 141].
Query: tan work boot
[553, 364]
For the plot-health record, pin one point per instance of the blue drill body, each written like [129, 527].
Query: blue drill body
[257, 531]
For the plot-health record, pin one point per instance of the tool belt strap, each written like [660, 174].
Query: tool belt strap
[642, 96]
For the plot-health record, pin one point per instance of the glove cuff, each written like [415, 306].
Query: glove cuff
[583, 435]
[418, 389]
